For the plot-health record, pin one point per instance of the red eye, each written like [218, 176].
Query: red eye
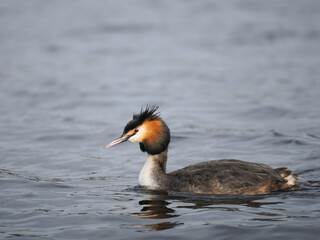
[136, 130]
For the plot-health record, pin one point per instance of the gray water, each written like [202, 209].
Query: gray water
[233, 79]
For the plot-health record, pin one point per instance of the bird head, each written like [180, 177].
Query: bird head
[148, 129]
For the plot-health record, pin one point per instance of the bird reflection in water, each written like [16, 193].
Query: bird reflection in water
[156, 207]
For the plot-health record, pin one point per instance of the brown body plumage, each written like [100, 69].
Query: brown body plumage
[225, 176]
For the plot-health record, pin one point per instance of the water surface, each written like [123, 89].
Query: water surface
[234, 79]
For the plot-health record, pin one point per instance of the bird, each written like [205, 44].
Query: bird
[226, 176]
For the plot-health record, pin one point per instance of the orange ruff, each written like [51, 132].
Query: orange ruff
[153, 129]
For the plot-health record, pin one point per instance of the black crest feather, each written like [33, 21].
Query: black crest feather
[149, 113]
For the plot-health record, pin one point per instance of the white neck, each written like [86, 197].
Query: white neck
[151, 173]
[146, 177]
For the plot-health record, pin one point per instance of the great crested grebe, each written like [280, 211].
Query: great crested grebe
[227, 176]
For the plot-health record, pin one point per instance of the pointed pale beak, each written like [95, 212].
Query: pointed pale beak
[117, 141]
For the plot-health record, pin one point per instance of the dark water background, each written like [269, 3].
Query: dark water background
[234, 79]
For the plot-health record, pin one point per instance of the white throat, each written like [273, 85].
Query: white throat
[146, 176]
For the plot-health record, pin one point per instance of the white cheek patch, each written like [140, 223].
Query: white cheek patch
[138, 137]
[134, 138]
